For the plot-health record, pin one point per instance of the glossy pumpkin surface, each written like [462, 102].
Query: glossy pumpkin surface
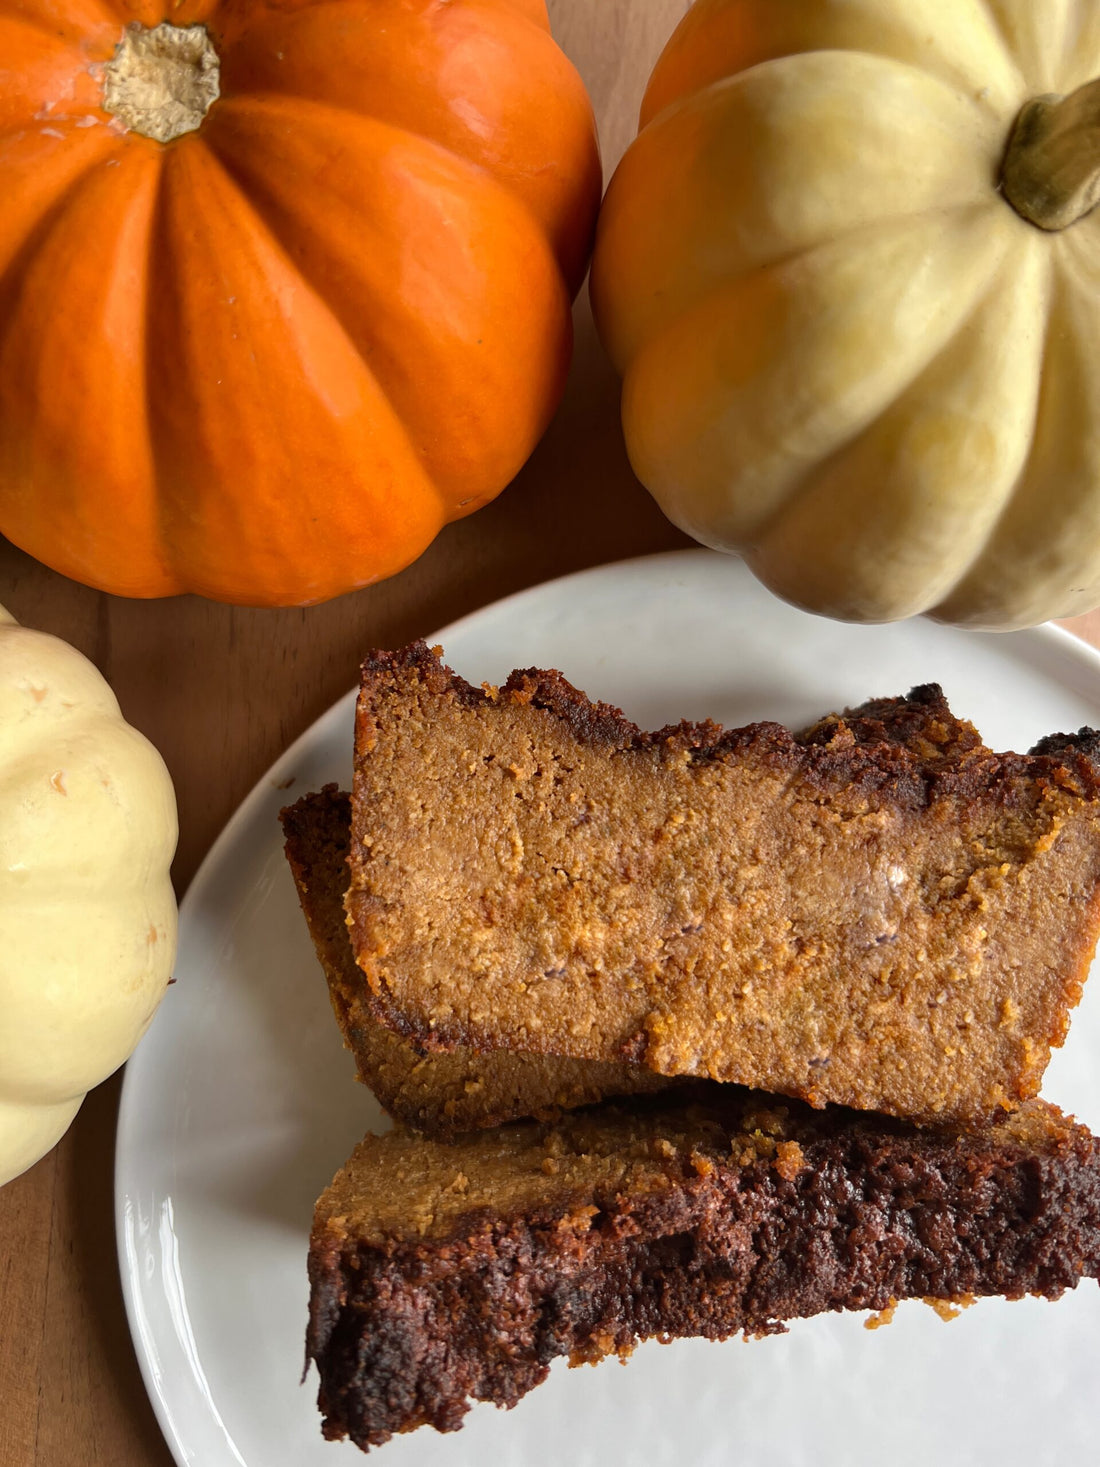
[268, 359]
[846, 355]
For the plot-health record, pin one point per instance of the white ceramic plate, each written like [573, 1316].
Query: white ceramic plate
[240, 1104]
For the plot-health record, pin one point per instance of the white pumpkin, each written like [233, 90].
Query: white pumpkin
[87, 914]
[846, 355]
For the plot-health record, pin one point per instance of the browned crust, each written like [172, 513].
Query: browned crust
[701, 1243]
[313, 864]
[911, 750]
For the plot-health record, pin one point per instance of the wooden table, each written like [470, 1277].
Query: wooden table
[221, 691]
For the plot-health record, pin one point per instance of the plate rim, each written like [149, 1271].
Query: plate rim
[1050, 633]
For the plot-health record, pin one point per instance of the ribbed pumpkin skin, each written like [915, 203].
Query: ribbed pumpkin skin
[87, 912]
[846, 357]
[269, 360]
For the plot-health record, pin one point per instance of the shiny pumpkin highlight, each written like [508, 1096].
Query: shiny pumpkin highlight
[284, 287]
[848, 271]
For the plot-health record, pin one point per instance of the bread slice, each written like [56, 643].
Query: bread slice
[442, 1273]
[880, 913]
[438, 1093]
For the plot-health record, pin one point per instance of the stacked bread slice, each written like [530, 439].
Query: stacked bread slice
[688, 1033]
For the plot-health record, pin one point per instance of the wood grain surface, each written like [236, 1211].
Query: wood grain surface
[221, 691]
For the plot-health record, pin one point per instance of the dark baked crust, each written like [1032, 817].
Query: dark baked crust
[316, 834]
[924, 922]
[911, 749]
[438, 1094]
[723, 1218]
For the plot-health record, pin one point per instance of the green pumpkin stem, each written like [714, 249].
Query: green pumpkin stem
[1051, 169]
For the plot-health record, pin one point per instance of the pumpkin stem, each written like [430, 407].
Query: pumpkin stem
[161, 82]
[1051, 171]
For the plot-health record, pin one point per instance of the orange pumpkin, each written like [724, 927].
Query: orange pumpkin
[284, 287]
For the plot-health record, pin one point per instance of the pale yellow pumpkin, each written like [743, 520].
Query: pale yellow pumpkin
[87, 914]
[846, 354]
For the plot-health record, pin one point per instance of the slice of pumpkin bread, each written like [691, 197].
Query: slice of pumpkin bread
[440, 1273]
[438, 1093]
[881, 913]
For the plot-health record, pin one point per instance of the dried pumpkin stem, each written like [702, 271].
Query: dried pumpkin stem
[1051, 171]
[162, 81]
